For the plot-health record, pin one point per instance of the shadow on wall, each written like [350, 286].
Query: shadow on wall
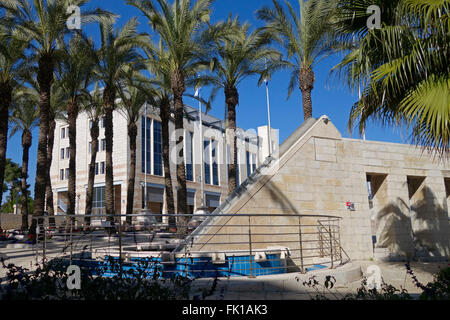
[425, 234]
[394, 229]
[278, 197]
[431, 229]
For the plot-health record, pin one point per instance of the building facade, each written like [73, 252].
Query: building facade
[149, 163]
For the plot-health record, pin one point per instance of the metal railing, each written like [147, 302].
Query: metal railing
[244, 244]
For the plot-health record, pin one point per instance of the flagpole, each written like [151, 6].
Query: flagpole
[202, 185]
[359, 95]
[268, 116]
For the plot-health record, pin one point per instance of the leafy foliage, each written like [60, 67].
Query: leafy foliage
[48, 282]
[403, 67]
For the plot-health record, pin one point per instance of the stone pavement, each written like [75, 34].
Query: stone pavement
[286, 287]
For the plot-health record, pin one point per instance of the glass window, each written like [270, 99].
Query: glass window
[237, 169]
[98, 201]
[247, 158]
[253, 162]
[228, 160]
[67, 152]
[146, 150]
[62, 154]
[91, 123]
[103, 122]
[214, 163]
[157, 148]
[207, 161]
[103, 144]
[189, 157]
[61, 174]
[102, 169]
[67, 174]
[96, 168]
[90, 147]
[63, 133]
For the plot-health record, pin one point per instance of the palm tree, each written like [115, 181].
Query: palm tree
[158, 64]
[56, 111]
[24, 118]
[13, 63]
[180, 27]
[56, 103]
[240, 54]
[92, 104]
[132, 97]
[43, 25]
[403, 67]
[116, 56]
[305, 37]
[73, 75]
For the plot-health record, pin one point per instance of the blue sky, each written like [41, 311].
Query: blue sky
[329, 96]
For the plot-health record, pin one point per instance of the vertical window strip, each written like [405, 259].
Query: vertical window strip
[215, 172]
[157, 148]
[189, 157]
[206, 151]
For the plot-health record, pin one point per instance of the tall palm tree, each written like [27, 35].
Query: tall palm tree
[403, 66]
[43, 25]
[24, 118]
[180, 27]
[13, 63]
[239, 54]
[73, 75]
[116, 56]
[132, 97]
[56, 112]
[305, 37]
[92, 104]
[158, 64]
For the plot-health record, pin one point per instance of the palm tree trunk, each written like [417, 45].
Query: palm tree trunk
[232, 99]
[306, 84]
[5, 101]
[45, 80]
[178, 88]
[164, 113]
[26, 144]
[132, 133]
[91, 178]
[109, 96]
[49, 191]
[72, 113]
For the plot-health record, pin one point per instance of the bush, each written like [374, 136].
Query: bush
[48, 282]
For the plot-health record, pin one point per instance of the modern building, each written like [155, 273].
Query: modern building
[149, 164]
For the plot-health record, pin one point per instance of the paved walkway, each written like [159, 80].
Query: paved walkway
[290, 286]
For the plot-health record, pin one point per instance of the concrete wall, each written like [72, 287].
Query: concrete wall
[322, 171]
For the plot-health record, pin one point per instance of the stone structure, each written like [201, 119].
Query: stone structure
[318, 172]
